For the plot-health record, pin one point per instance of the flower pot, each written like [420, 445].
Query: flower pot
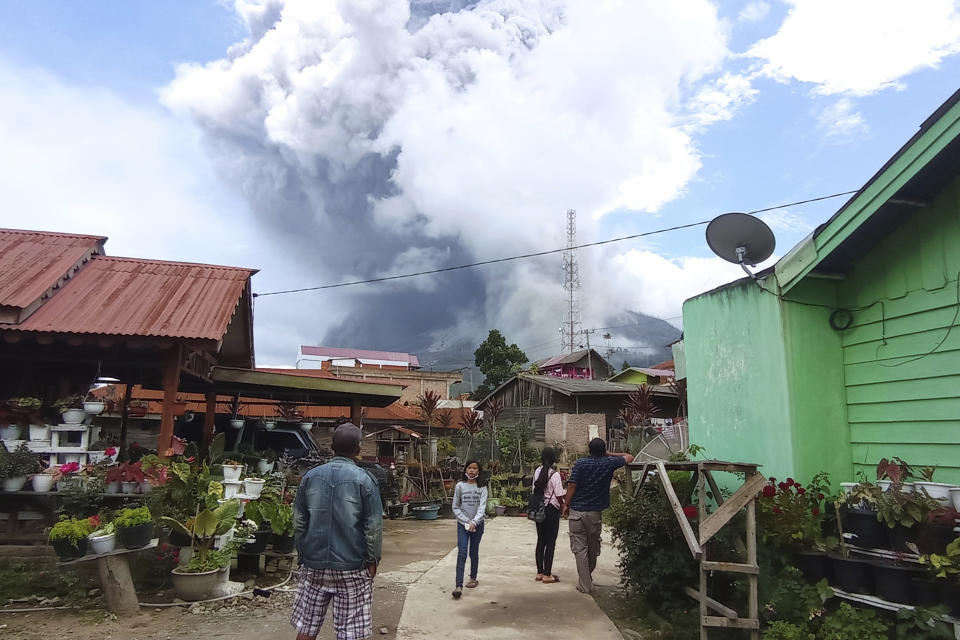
[950, 596]
[96, 457]
[848, 487]
[73, 416]
[396, 510]
[130, 488]
[282, 544]
[113, 487]
[195, 586]
[102, 544]
[884, 484]
[264, 467]
[259, 544]
[146, 487]
[136, 536]
[10, 432]
[68, 483]
[908, 487]
[306, 426]
[253, 486]
[231, 472]
[853, 576]
[15, 483]
[934, 538]
[955, 497]
[66, 549]
[39, 433]
[236, 424]
[231, 489]
[179, 539]
[894, 584]
[899, 536]
[42, 482]
[868, 532]
[814, 566]
[269, 425]
[926, 593]
[500, 510]
[939, 491]
[512, 511]
[94, 407]
[426, 512]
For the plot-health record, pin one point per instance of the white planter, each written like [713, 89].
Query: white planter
[72, 457]
[130, 488]
[939, 491]
[41, 482]
[37, 446]
[68, 483]
[269, 425]
[908, 487]
[13, 445]
[236, 424]
[94, 407]
[39, 433]
[884, 484]
[74, 416]
[955, 497]
[95, 457]
[146, 487]
[306, 426]
[10, 432]
[14, 484]
[253, 486]
[231, 472]
[113, 487]
[848, 487]
[230, 488]
[265, 467]
[102, 544]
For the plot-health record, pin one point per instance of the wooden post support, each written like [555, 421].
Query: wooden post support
[209, 418]
[355, 410]
[695, 550]
[753, 605]
[702, 510]
[171, 382]
[118, 589]
[125, 413]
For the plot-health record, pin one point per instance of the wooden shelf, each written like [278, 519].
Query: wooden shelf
[118, 552]
[880, 603]
[69, 427]
[886, 554]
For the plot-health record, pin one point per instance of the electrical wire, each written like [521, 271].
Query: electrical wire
[537, 254]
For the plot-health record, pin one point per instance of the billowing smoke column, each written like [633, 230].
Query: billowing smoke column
[381, 136]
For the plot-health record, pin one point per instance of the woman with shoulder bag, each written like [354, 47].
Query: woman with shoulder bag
[547, 483]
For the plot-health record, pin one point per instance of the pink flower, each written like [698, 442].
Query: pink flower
[70, 467]
[111, 451]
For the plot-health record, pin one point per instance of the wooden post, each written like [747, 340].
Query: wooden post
[209, 418]
[125, 413]
[118, 589]
[702, 507]
[171, 382]
[751, 533]
[355, 410]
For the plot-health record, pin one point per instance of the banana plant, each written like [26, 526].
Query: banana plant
[203, 529]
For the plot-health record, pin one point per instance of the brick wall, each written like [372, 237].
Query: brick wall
[574, 429]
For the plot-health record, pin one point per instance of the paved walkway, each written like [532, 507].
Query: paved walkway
[509, 603]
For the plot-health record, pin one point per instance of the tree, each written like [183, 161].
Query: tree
[626, 365]
[497, 360]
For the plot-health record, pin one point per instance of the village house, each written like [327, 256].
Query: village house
[585, 364]
[657, 374]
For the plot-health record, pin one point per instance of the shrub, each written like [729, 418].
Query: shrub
[789, 515]
[923, 624]
[72, 529]
[132, 517]
[781, 630]
[848, 623]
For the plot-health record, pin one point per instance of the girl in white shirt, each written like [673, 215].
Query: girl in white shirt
[547, 481]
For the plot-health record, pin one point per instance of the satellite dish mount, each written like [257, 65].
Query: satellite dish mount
[741, 239]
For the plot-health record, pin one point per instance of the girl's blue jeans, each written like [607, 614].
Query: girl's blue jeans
[468, 541]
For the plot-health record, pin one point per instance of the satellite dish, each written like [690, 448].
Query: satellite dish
[741, 239]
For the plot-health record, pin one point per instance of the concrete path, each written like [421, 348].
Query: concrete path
[509, 603]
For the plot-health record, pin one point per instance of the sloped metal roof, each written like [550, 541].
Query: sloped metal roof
[360, 354]
[133, 297]
[32, 262]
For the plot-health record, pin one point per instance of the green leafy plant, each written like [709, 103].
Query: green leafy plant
[790, 515]
[780, 630]
[795, 601]
[848, 623]
[923, 624]
[945, 567]
[64, 404]
[71, 529]
[908, 509]
[280, 516]
[203, 529]
[25, 403]
[105, 530]
[19, 462]
[131, 517]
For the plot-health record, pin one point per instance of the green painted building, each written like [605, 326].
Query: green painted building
[847, 350]
[642, 375]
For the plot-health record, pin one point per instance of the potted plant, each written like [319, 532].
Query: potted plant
[199, 577]
[68, 476]
[71, 409]
[231, 470]
[289, 411]
[939, 491]
[134, 527]
[860, 518]
[43, 481]
[306, 426]
[68, 537]
[16, 465]
[253, 486]
[26, 411]
[92, 406]
[936, 533]
[790, 518]
[280, 516]
[266, 462]
[902, 512]
[137, 408]
[103, 540]
[946, 569]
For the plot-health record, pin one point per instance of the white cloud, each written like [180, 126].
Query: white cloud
[786, 221]
[841, 122]
[859, 47]
[721, 99]
[755, 11]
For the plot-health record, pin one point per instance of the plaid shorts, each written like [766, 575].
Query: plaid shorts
[352, 595]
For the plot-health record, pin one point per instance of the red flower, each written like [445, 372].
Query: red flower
[70, 467]
[94, 521]
[111, 451]
[772, 479]
[769, 491]
[815, 511]
[783, 486]
[777, 510]
[819, 496]
[797, 485]
[790, 482]
[690, 512]
[801, 491]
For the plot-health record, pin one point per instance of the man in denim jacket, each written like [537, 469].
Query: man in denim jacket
[338, 527]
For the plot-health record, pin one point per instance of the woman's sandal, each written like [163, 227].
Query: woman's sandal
[551, 579]
[539, 577]
[457, 593]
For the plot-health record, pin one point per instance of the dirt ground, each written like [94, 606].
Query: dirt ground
[410, 548]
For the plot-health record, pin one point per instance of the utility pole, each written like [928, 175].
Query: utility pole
[571, 283]
[586, 333]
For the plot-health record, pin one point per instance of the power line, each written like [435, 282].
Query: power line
[538, 254]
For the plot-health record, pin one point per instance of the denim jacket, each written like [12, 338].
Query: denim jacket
[338, 517]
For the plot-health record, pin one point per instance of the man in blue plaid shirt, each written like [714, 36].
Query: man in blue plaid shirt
[588, 494]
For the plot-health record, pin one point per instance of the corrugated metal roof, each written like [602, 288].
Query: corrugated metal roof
[132, 297]
[569, 358]
[573, 386]
[360, 354]
[31, 262]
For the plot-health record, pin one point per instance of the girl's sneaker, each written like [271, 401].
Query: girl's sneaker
[457, 592]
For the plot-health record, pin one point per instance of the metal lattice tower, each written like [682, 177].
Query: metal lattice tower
[571, 283]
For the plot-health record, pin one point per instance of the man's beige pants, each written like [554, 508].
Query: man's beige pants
[585, 529]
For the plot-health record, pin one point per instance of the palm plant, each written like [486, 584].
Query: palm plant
[638, 408]
[472, 422]
[494, 409]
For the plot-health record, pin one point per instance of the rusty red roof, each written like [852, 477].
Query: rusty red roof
[33, 262]
[133, 297]
[360, 354]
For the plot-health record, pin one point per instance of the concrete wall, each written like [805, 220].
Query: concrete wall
[573, 430]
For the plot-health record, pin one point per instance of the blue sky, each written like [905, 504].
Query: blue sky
[129, 119]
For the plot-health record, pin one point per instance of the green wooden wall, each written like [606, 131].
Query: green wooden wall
[900, 400]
